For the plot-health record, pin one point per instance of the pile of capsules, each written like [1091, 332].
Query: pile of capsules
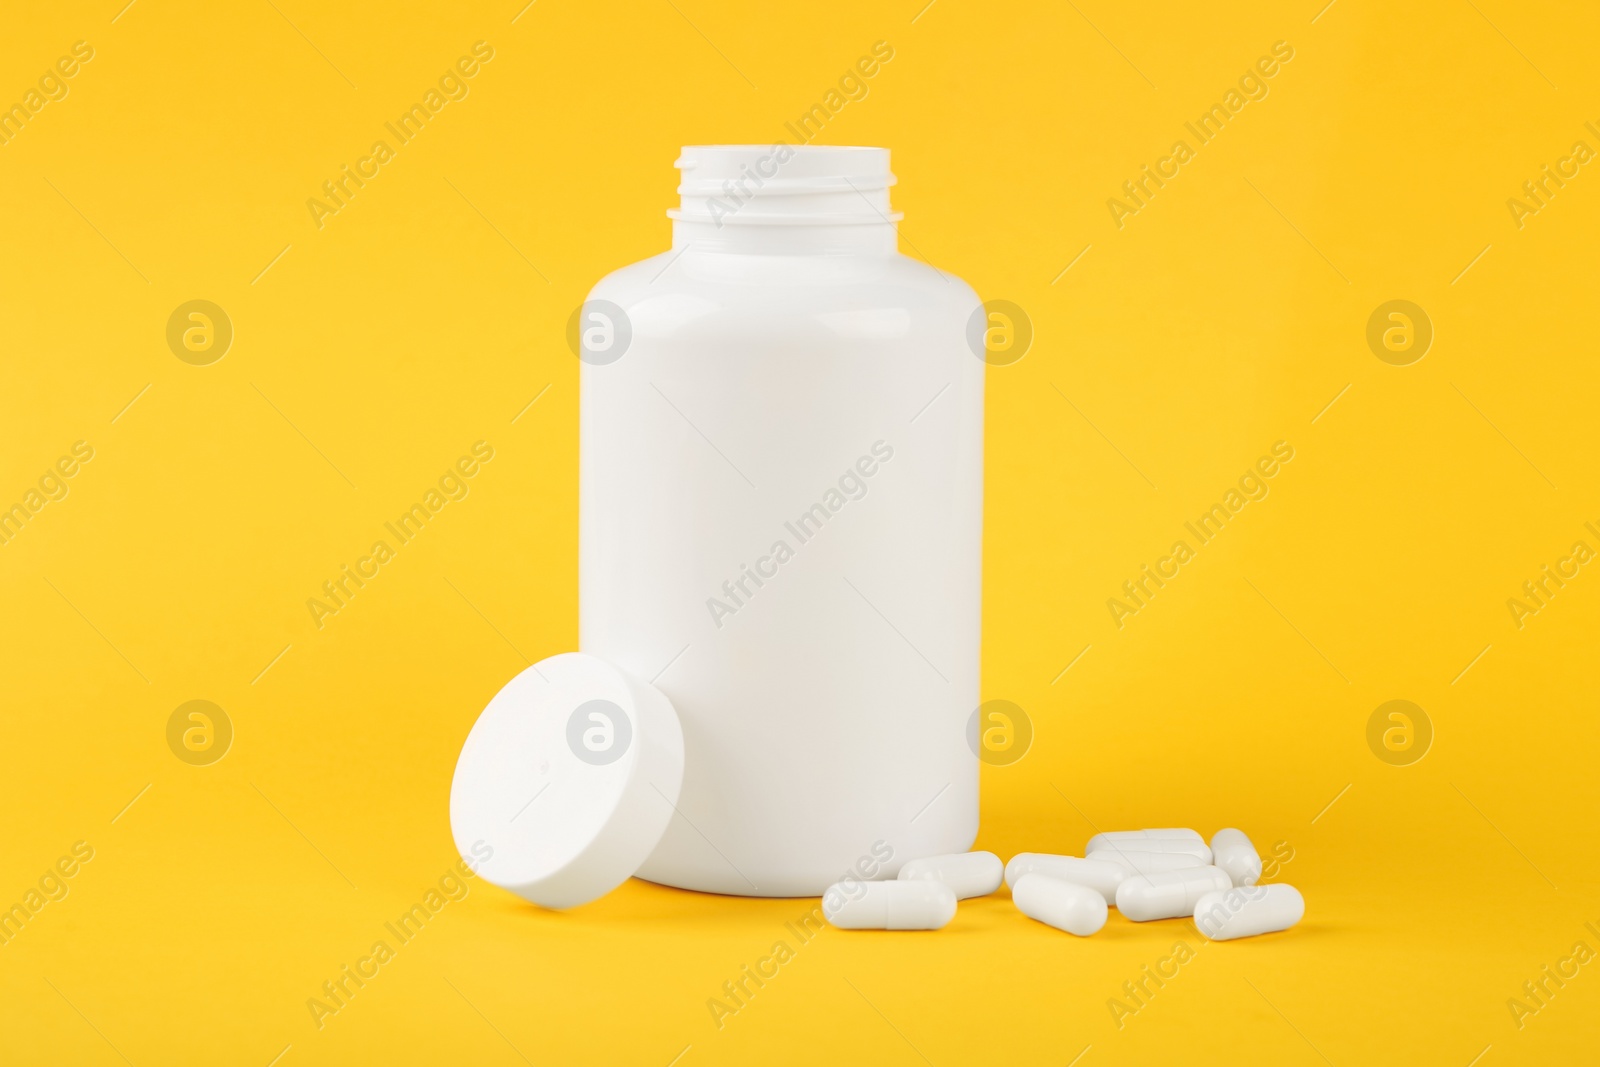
[1147, 874]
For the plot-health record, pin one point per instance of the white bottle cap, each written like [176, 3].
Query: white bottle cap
[567, 781]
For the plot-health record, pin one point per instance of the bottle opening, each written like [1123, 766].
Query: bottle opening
[781, 184]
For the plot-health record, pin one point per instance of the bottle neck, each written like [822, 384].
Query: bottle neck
[785, 200]
[787, 240]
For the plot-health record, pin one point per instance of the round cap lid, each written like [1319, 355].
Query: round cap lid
[567, 781]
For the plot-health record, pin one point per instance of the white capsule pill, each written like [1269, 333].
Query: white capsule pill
[909, 905]
[1232, 851]
[1068, 906]
[1103, 878]
[968, 874]
[1123, 836]
[1147, 862]
[1225, 914]
[1169, 894]
[1174, 845]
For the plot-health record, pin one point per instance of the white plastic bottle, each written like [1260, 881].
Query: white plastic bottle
[781, 496]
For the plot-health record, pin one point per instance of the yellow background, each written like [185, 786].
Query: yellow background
[427, 314]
